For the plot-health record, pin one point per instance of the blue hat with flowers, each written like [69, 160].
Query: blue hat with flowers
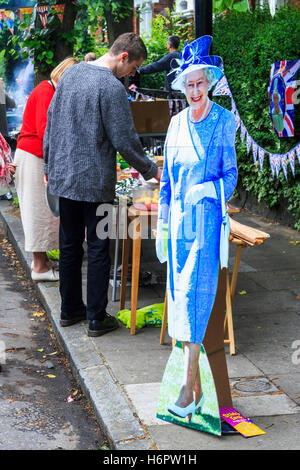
[195, 56]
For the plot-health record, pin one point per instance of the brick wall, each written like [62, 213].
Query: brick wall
[296, 3]
[158, 7]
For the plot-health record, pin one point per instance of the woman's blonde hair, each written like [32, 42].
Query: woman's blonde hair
[62, 67]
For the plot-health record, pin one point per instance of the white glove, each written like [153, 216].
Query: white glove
[199, 191]
[162, 241]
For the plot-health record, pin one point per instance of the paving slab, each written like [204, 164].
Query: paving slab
[144, 398]
[282, 433]
[121, 373]
[272, 357]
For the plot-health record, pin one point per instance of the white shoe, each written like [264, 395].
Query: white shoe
[199, 405]
[50, 275]
[50, 263]
[188, 410]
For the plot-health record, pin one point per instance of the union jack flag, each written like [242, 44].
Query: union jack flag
[280, 92]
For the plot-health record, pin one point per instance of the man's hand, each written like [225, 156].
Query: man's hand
[158, 174]
[45, 179]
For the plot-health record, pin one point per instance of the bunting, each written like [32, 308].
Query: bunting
[277, 161]
[291, 156]
[298, 152]
[272, 164]
[277, 164]
[25, 16]
[59, 10]
[254, 151]
[249, 142]
[43, 11]
[222, 88]
[243, 132]
[261, 154]
[9, 18]
[284, 165]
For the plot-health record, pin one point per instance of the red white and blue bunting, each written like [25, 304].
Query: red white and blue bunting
[43, 11]
[8, 17]
[277, 161]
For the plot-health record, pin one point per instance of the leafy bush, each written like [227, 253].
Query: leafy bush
[249, 44]
[2, 64]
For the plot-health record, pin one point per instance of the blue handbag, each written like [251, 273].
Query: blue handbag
[225, 231]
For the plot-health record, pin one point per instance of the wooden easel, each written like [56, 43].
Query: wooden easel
[230, 291]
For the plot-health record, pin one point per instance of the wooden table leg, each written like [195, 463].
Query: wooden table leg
[113, 297]
[235, 270]
[230, 291]
[124, 271]
[164, 320]
[136, 253]
[228, 318]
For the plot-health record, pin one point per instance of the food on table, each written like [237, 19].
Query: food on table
[146, 199]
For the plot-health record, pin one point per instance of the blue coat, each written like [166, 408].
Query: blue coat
[197, 155]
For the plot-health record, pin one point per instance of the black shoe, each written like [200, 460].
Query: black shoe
[100, 327]
[68, 320]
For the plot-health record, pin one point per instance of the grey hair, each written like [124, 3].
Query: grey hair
[210, 76]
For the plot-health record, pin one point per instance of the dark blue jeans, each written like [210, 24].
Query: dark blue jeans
[75, 217]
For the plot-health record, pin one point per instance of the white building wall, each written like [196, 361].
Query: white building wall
[185, 8]
[145, 10]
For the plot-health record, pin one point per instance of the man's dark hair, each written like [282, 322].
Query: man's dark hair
[174, 41]
[130, 43]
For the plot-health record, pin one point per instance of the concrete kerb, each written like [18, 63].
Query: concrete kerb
[118, 422]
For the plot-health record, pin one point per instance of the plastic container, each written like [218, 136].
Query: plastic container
[145, 198]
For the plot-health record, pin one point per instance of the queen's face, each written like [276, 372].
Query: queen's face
[196, 89]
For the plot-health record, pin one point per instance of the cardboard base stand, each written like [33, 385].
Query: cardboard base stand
[214, 379]
[214, 344]
[209, 418]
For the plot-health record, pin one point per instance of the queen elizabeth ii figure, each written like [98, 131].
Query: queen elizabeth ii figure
[199, 153]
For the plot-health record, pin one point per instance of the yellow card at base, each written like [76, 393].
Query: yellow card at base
[249, 429]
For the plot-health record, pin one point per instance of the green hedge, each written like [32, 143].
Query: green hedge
[249, 44]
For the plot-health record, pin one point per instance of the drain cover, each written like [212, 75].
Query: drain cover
[252, 386]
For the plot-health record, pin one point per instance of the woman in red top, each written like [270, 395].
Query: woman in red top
[40, 226]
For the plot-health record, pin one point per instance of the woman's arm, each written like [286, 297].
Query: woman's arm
[42, 106]
[165, 183]
[228, 162]
[164, 206]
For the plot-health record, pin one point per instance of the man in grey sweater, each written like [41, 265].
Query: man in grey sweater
[89, 119]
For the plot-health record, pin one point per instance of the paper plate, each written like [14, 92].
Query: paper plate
[52, 202]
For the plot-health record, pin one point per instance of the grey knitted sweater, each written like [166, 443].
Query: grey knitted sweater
[88, 120]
